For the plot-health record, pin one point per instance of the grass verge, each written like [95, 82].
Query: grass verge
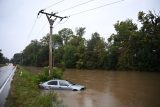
[25, 92]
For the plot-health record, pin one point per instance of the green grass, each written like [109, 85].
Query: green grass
[25, 92]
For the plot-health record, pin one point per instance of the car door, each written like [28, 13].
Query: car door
[53, 84]
[64, 85]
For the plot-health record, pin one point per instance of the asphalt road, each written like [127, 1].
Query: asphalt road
[6, 74]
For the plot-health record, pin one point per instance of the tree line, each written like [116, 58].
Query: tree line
[129, 48]
[3, 59]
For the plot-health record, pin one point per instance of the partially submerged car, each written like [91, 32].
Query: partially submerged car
[58, 84]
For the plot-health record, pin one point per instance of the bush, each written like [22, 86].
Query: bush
[57, 73]
[54, 73]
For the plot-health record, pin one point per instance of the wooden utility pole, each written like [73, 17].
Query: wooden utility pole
[51, 22]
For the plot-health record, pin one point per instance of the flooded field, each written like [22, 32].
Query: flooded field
[112, 89]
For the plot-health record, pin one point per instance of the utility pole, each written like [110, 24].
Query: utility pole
[51, 22]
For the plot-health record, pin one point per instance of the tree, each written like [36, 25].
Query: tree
[95, 50]
[65, 34]
[148, 55]
[1, 56]
[3, 59]
[121, 50]
[30, 53]
[58, 49]
[132, 49]
[70, 57]
[80, 31]
[126, 31]
[17, 58]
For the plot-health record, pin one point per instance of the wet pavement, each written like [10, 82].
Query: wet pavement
[6, 74]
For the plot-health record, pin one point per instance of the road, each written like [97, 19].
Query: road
[6, 74]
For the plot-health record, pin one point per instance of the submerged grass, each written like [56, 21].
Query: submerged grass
[25, 92]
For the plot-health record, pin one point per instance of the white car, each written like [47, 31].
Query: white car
[57, 84]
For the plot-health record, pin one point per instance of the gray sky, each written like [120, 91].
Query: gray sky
[18, 16]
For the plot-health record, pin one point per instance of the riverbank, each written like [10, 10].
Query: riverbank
[24, 92]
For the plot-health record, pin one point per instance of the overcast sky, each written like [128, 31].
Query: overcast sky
[17, 18]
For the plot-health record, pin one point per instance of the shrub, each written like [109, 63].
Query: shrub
[54, 73]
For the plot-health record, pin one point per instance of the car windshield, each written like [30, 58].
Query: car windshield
[71, 83]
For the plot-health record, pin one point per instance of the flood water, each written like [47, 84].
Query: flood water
[112, 89]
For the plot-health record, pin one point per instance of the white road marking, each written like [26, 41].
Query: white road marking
[7, 80]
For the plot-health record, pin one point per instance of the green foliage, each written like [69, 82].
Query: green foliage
[122, 40]
[17, 58]
[150, 42]
[70, 56]
[137, 50]
[112, 58]
[65, 34]
[80, 31]
[56, 73]
[3, 59]
[95, 51]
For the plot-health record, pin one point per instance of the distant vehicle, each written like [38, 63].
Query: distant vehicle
[58, 84]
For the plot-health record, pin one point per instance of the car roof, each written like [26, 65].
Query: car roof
[57, 80]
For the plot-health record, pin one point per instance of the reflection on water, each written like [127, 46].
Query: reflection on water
[113, 89]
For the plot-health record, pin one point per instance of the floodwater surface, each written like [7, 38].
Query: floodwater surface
[112, 89]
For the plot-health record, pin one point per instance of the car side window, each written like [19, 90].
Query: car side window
[63, 83]
[52, 83]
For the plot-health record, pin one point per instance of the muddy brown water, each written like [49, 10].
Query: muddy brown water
[112, 89]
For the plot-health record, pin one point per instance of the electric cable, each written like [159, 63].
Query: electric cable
[76, 6]
[75, 13]
[53, 4]
[40, 31]
[32, 28]
[96, 8]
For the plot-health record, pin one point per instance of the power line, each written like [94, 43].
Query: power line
[71, 14]
[42, 27]
[53, 4]
[40, 31]
[32, 28]
[97, 7]
[76, 6]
